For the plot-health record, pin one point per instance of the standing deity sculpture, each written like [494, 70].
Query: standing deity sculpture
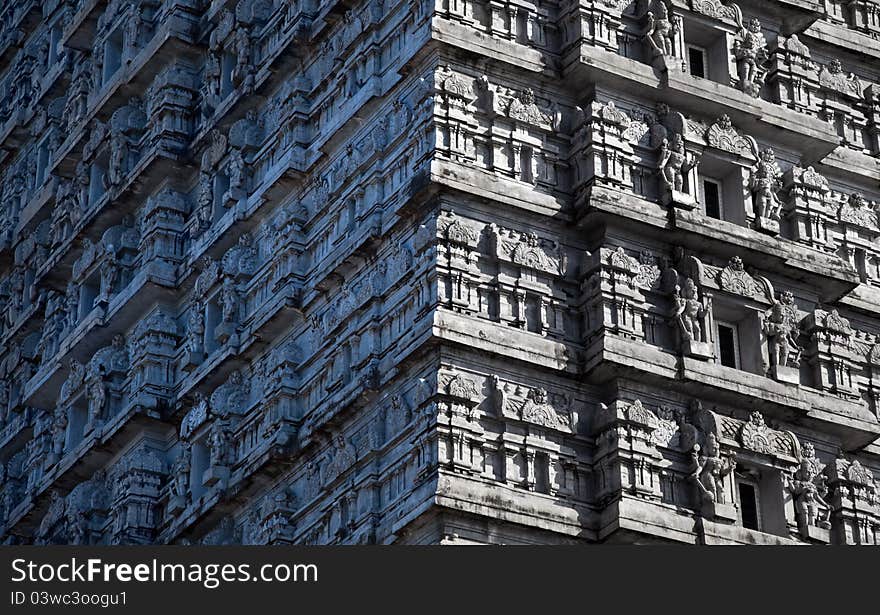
[242, 47]
[204, 208]
[71, 309]
[781, 329]
[750, 51]
[119, 354]
[228, 301]
[78, 93]
[807, 486]
[195, 333]
[180, 472]
[59, 432]
[96, 393]
[709, 470]
[661, 31]
[674, 162]
[109, 275]
[688, 315]
[220, 445]
[235, 171]
[765, 182]
[211, 84]
[116, 166]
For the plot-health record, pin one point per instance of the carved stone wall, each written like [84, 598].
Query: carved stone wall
[439, 272]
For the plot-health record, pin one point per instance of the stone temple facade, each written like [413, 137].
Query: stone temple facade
[439, 271]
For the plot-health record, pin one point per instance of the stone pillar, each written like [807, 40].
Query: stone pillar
[592, 22]
[829, 353]
[626, 460]
[153, 353]
[805, 207]
[855, 514]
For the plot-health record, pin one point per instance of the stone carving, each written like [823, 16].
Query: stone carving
[109, 275]
[689, 313]
[833, 77]
[464, 394]
[755, 435]
[859, 475]
[231, 397]
[343, 458]
[461, 387]
[662, 29]
[856, 210]
[735, 279]
[666, 432]
[675, 162]
[709, 469]
[59, 433]
[807, 486]
[195, 331]
[242, 259]
[750, 51]
[229, 306]
[197, 415]
[722, 135]
[220, 444]
[639, 414]
[765, 183]
[833, 321]
[528, 250]
[229, 301]
[537, 409]
[204, 207]
[522, 107]
[75, 378]
[716, 9]
[781, 326]
[180, 471]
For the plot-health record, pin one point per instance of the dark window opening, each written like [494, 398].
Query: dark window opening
[748, 502]
[712, 196]
[697, 61]
[727, 345]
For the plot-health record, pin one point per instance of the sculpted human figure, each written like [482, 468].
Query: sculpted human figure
[218, 440]
[109, 274]
[116, 166]
[766, 180]
[781, 329]
[228, 301]
[180, 472]
[750, 49]
[119, 355]
[59, 429]
[236, 169]
[810, 507]
[97, 395]
[661, 30]
[77, 99]
[242, 45]
[688, 311]
[204, 204]
[673, 158]
[71, 306]
[196, 328]
[710, 470]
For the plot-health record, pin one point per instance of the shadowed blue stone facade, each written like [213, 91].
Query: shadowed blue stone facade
[439, 272]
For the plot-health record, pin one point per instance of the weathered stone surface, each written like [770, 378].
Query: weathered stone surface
[439, 272]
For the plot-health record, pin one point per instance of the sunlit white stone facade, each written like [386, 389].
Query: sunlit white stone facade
[439, 271]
